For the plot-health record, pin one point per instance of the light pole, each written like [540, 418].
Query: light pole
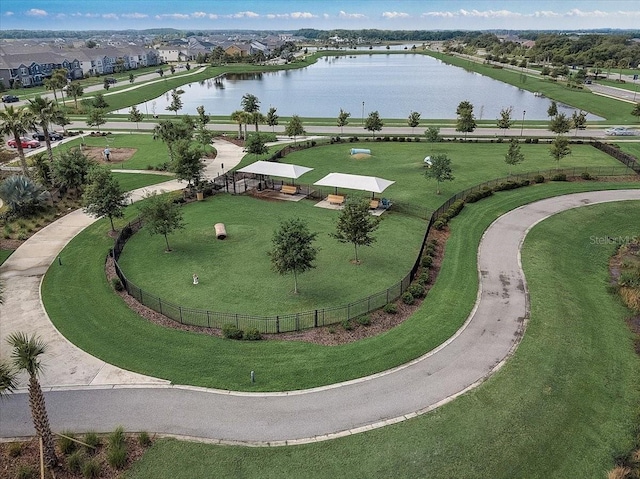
[362, 113]
[524, 112]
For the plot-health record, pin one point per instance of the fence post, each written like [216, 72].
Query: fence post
[237, 325]
[277, 324]
[208, 318]
[180, 310]
[297, 321]
[315, 319]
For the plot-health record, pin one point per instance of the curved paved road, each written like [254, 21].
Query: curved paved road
[481, 346]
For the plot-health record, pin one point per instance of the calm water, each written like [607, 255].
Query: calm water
[394, 85]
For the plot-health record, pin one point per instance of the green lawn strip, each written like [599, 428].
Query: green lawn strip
[631, 148]
[563, 406]
[100, 323]
[630, 86]
[235, 274]
[132, 181]
[611, 109]
[4, 254]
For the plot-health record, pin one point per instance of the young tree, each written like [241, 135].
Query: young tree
[131, 78]
[343, 119]
[103, 195]
[579, 120]
[25, 356]
[161, 216]
[440, 170]
[238, 116]
[99, 101]
[559, 149]
[433, 134]
[172, 69]
[560, 124]
[272, 118]
[17, 122]
[75, 90]
[106, 84]
[293, 251]
[176, 101]
[187, 162]
[356, 225]
[255, 144]
[514, 155]
[203, 119]
[505, 121]
[414, 119]
[170, 132]
[636, 111]
[466, 121]
[251, 104]
[135, 116]
[96, 118]
[553, 109]
[70, 169]
[160, 72]
[294, 128]
[373, 123]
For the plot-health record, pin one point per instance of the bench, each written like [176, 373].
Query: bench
[335, 199]
[289, 189]
[373, 204]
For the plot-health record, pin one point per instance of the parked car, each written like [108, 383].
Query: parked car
[619, 131]
[53, 136]
[10, 98]
[26, 143]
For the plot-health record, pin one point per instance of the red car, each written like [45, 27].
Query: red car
[26, 143]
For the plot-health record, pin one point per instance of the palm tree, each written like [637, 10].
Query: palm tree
[17, 123]
[26, 357]
[75, 90]
[238, 117]
[251, 104]
[8, 381]
[45, 112]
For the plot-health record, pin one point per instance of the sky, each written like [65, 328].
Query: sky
[323, 15]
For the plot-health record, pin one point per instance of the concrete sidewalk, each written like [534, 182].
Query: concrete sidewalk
[476, 351]
[22, 273]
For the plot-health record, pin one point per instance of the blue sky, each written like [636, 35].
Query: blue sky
[326, 15]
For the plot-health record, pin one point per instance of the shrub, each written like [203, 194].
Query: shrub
[423, 279]
[231, 331]
[116, 438]
[390, 308]
[66, 443]
[478, 195]
[91, 469]
[416, 290]
[15, 449]
[26, 472]
[630, 279]
[364, 320]
[507, 185]
[426, 262]
[346, 324]
[430, 249]
[433, 242]
[587, 176]
[332, 330]
[117, 456]
[559, 177]
[407, 298]
[117, 284]
[144, 439]
[538, 179]
[75, 461]
[439, 224]
[252, 334]
[91, 439]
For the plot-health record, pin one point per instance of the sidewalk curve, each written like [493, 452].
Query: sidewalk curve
[478, 349]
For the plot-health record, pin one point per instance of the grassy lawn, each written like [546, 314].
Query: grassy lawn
[613, 110]
[4, 254]
[99, 322]
[563, 406]
[631, 148]
[235, 274]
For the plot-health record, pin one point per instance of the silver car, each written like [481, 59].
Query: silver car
[619, 131]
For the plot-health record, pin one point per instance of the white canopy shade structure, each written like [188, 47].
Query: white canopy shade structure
[355, 182]
[271, 168]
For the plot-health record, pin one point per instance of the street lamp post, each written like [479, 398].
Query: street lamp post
[362, 113]
[524, 112]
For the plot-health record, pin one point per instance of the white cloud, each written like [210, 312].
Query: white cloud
[504, 14]
[134, 15]
[110, 16]
[302, 15]
[395, 15]
[213, 16]
[198, 14]
[36, 12]
[344, 14]
[8, 14]
[244, 15]
[173, 16]
[326, 16]
[293, 15]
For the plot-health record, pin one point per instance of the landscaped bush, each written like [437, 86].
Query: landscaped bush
[91, 439]
[26, 472]
[66, 444]
[91, 469]
[439, 224]
[346, 324]
[144, 439]
[117, 284]
[116, 438]
[75, 461]
[15, 449]
[364, 320]
[423, 279]
[559, 177]
[252, 334]
[231, 331]
[478, 195]
[587, 176]
[538, 179]
[416, 290]
[117, 456]
[430, 249]
[426, 261]
[390, 308]
[407, 298]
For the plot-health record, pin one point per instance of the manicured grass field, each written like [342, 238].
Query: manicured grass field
[4, 254]
[563, 406]
[99, 322]
[631, 148]
[235, 274]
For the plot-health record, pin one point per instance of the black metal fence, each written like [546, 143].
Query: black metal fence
[326, 316]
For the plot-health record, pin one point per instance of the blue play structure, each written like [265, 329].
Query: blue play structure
[355, 151]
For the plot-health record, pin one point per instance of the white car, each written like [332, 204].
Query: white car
[619, 131]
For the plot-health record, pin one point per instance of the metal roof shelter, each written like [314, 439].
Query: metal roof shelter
[355, 182]
[270, 168]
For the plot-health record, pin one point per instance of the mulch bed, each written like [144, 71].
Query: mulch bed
[117, 155]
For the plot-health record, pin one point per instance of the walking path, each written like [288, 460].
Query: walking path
[79, 397]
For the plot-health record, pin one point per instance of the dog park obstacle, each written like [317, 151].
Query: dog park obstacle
[221, 232]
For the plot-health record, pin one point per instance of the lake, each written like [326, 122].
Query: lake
[393, 84]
